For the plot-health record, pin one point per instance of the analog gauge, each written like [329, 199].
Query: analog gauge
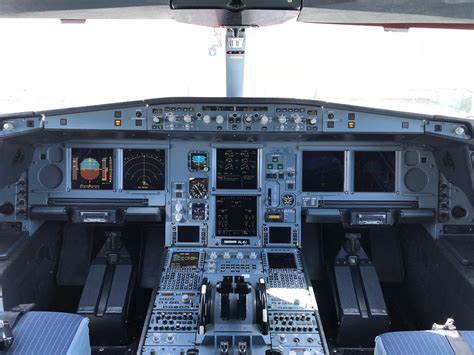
[144, 169]
[198, 187]
[288, 199]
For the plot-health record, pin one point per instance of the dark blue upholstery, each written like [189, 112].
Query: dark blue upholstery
[469, 338]
[418, 343]
[51, 333]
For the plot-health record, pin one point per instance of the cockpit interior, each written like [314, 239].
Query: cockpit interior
[234, 225]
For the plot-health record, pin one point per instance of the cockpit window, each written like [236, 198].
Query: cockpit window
[46, 64]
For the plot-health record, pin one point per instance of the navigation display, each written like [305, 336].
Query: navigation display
[237, 169]
[185, 260]
[236, 216]
[92, 169]
[280, 235]
[281, 261]
[374, 172]
[323, 171]
[143, 169]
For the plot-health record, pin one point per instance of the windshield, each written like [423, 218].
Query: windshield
[45, 64]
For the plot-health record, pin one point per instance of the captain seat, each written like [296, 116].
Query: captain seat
[51, 333]
[427, 342]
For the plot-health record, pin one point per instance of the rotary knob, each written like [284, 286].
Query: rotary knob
[7, 126]
[206, 119]
[282, 338]
[187, 118]
[240, 255]
[253, 255]
[226, 255]
[282, 119]
[459, 130]
[312, 121]
[248, 119]
[297, 118]
[185, 298]
[156, 119]
[220, 119]
[178, 207]
[171, 118]
[264, 120]
[170, 338]
[178, 217]
[213, 255]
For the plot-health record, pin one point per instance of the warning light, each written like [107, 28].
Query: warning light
[351, 124]
[118, 123]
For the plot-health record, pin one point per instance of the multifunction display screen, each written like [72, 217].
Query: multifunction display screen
[92, 169]
[236, 216]
[323, 171]
[237, 169]
[188, 234]
[143, 169]
[280, 235]
[185, 260]
[281, 261]
[374, 172]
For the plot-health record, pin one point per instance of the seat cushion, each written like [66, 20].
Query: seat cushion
[51, 333]
[418, 343]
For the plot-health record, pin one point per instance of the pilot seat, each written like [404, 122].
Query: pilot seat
[52, 333]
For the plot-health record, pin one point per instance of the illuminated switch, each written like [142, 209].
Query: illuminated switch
[351, 124]
[118, 123]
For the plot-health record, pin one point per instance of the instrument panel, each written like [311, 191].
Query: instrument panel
[235, 193]
[192, 177]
